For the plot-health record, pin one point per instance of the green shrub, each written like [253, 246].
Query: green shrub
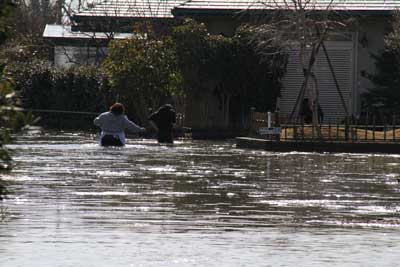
[80, 89]
[383, 99]
[143, 73]
[6, 9]
[385, 95]
[229, 68]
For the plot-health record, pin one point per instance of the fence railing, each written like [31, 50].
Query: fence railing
[340, 132]
[344, 131]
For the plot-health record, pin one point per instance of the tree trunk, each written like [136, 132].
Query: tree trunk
[315, 110]
[307, 72]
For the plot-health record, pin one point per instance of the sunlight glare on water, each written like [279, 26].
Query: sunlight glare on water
[196, 203]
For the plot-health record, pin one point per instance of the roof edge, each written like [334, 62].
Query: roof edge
[180, 12]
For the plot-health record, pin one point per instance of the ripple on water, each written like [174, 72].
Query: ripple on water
[199, 203]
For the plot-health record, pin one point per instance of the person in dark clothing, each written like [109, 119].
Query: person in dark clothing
[306, 112]
[320, 115]
[163, 121]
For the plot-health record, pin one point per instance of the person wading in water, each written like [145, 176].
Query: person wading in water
[113, 124]
[163, 121]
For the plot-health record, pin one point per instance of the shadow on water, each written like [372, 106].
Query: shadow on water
[68, 184]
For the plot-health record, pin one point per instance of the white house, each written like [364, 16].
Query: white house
[84, 39]
[349, 53]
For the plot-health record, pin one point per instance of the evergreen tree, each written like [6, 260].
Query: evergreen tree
[383, 99]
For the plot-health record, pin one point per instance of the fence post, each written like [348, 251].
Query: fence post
[312, 133]
[355, 129]
[373, 128]
[285, 135]
[251, 120]
[346, 129]
[277, 123]
[384, 128]
[329, 130]
[394, 126]
[337, 129]
[269, 121]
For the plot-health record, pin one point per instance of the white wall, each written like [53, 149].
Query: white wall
[67, 56]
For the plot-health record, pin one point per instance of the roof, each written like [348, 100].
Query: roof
[131, 8]
[64, 32]
[238, 5]
[128, 9]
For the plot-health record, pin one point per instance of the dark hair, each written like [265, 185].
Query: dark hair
[166, 107]
[117, 109]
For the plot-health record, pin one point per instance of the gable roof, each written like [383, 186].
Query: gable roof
[223, 6]
[130, 9]
[169, 8]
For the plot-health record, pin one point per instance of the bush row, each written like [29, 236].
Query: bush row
[43, 87]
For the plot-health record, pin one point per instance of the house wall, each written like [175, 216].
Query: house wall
[67, 56]
[224, 25]
[335, 99]
[371, 29]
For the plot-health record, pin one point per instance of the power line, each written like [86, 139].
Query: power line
[54, 111]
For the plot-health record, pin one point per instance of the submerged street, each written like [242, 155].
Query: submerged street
[196, 203]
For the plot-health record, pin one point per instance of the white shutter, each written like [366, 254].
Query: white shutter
[341, 56]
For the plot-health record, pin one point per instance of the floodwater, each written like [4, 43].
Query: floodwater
[196, 203]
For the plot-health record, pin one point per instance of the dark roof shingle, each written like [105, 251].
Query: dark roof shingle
[345, 5]
[165, 8]
[131, 8]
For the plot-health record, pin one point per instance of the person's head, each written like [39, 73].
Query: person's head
[117, 109]
[166, 107]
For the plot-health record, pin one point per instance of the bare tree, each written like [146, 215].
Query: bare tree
[100, 21]
[393, 37]
[26, 28]
[304, 26]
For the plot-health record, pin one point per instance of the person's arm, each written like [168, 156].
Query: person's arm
[133, 127]
[154, 125]
[152, 120]
[173, 116]
[98, 120]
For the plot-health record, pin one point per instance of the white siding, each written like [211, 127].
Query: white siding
[341, 55]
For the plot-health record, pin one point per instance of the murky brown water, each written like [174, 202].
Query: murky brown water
[197, 203]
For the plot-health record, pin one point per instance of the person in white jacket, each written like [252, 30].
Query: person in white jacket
[113, 124]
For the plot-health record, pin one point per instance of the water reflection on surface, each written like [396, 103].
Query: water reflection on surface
[197, 203]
